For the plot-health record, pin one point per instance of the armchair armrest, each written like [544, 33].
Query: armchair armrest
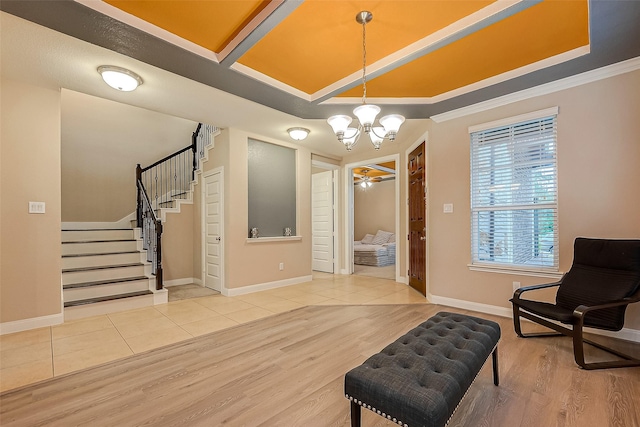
[520, 291]
[581, 310]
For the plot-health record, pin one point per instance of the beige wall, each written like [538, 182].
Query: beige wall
[177, 244]
[30, 245]
[598, 181]
[102, 142]
[374, 209]
[245, 263]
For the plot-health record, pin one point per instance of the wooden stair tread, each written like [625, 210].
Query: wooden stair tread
[100, 241]
[106, 298]
[104, 282]
[95, 229]
[102, 267]
[100, 254]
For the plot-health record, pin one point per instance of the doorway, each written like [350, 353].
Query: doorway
[361, 179]
[212, 230]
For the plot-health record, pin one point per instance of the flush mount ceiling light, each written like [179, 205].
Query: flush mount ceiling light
[120, 78]
[298, 133]
[366, 113]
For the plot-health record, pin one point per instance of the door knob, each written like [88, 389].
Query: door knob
[423, 238]
[218, 238]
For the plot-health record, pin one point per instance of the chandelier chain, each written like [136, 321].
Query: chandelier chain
[364, 62]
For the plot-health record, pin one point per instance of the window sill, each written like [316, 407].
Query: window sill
[516, 271]
[273, 239]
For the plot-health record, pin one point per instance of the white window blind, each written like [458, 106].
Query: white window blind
[514, 208]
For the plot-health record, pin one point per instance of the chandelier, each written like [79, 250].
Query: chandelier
[366, 113]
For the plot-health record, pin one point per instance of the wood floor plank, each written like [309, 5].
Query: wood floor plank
[288, 370]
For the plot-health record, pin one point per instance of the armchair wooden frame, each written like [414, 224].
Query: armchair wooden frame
[577, 330]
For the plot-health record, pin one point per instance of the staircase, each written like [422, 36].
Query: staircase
[104, 270]
[110, 267]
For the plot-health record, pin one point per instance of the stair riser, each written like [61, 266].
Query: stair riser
[84, 235]
[105, 274]
[82, 311]
[76, 294]
[101, 260]
[98, 247]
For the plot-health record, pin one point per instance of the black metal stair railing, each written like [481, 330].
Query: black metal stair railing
[160, 184]
[151, 233]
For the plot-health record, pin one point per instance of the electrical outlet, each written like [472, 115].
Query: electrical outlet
[281, 266]
[516, 285]
[447, 208]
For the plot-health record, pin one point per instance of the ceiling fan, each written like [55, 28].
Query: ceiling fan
[365, 181]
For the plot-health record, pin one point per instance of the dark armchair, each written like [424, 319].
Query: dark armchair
[603, 280]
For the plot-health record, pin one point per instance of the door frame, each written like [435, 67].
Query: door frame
[203, 228]
[348, 210]
[334, 205]
[424, 138]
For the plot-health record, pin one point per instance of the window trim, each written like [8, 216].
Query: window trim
[516, 269]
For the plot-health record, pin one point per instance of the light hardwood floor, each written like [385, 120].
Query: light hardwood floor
[288, 370]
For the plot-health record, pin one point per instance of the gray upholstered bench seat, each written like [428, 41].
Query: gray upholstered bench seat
[420, 379]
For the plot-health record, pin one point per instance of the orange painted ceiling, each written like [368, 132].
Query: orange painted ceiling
[415, 49]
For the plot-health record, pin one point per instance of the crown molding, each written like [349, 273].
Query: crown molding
[623, 67]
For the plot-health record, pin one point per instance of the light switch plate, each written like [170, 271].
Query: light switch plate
[36, 207]
[447, 208]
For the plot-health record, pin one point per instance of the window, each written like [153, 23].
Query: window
[514, 204]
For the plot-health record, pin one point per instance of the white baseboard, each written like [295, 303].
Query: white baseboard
[624, 334]
[178, 282]
[33, 323]
[265, 286]
[160, 297]
[470, 305]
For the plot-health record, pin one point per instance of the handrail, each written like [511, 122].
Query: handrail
[170, 156]
[162, 182]
[151, 231]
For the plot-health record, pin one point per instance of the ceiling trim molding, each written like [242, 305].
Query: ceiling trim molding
[263, 78]
[606, 72]
[544, 63]
[470, 24]
[135, 22]
[258, 27]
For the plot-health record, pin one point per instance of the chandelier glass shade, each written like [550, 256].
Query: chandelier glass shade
[365, 113]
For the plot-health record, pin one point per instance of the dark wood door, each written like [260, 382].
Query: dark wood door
[417, 223]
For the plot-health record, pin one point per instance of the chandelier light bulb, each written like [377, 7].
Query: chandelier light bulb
[366, 115]
[392, 124]
[377, 136]
[339, 123]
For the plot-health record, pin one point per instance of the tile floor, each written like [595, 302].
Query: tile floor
[35, 355]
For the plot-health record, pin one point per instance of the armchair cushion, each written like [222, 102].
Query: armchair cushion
[547, 310]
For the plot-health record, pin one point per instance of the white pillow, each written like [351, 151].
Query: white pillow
[392, 239]
[367, 239]
[381, 237]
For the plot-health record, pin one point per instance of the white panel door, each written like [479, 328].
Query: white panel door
[322, 221]
[213, 231]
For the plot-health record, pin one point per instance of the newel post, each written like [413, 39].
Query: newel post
[139, 196]
[159, 278]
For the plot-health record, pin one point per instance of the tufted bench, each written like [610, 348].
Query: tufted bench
[420, 379]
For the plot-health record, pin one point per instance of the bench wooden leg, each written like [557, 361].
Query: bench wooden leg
[355, 414]
[494, 355]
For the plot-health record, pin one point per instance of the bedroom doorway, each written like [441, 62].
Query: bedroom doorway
[373, 218]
